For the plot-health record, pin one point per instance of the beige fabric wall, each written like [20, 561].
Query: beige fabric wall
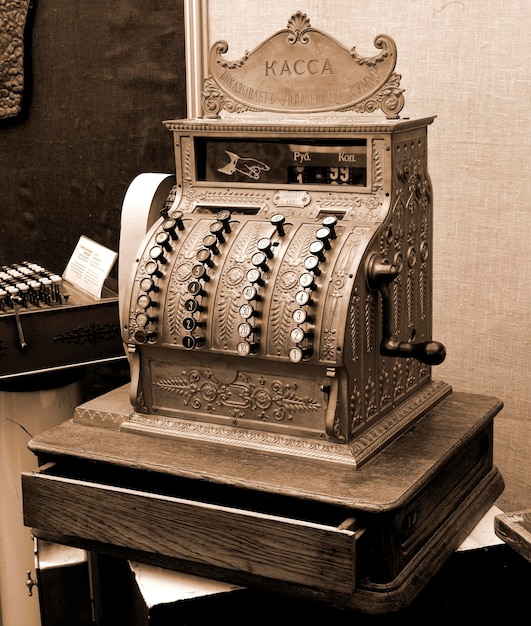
[466, 61]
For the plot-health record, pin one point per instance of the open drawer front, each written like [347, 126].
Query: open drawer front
[218, 526]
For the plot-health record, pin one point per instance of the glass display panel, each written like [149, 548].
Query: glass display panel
[282, 162]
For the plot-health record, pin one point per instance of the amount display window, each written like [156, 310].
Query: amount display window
[288, 162]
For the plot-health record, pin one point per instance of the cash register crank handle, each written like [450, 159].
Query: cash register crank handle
[380, 274]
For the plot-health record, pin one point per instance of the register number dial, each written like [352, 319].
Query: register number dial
[245, 348]
[246, 311]
[297, 334]
[302, 298]
[296, 354]
[311, 264]
[245, 330]
[254, 276]
[307, 280]
[299, 316]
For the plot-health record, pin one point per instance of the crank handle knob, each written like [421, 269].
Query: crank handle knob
[429, 352]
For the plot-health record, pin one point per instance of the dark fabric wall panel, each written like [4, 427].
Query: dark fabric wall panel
[99, 80]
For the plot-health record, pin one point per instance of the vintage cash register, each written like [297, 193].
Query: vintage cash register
[282, 428]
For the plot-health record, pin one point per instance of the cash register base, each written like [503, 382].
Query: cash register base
[367, 539]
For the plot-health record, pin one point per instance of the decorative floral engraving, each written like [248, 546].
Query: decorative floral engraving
[283, 300]
[357, 418]
[410, 296]
[250, 439]
[228, 297]
[355, 325]
[411, 378]
[244, 398]
[227, 316]
[93, 334]
[338, 288]
[180, 275]
[214, 100]
[337, 428]
[233, 197]
[377, 183]
[298, 23]
[369, 322]
[396, 421]
[385, 388]
[175, 303]
[398, 380]
[396, 295]
[370, 397]
[390, 99]
[187, 165]
[222, 47]
[423, 290]
[280, 320]
[328, 344]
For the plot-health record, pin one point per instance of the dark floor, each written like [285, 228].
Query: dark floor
[492, 583]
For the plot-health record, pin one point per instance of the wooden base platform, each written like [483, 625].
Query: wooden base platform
[367, 539]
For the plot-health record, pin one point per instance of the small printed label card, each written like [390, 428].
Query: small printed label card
[89, 266]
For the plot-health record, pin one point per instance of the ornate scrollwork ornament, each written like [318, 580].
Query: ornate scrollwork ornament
[301, 69]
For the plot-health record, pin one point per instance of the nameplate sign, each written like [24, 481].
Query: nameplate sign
[303, 70]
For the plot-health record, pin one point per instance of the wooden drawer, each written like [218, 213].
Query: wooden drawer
[271, 537]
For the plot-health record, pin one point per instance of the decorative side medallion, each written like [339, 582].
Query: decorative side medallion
[302, 70]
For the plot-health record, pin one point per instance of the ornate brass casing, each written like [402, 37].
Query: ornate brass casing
[282, 300]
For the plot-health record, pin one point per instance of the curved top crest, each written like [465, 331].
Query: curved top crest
[301, 69]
